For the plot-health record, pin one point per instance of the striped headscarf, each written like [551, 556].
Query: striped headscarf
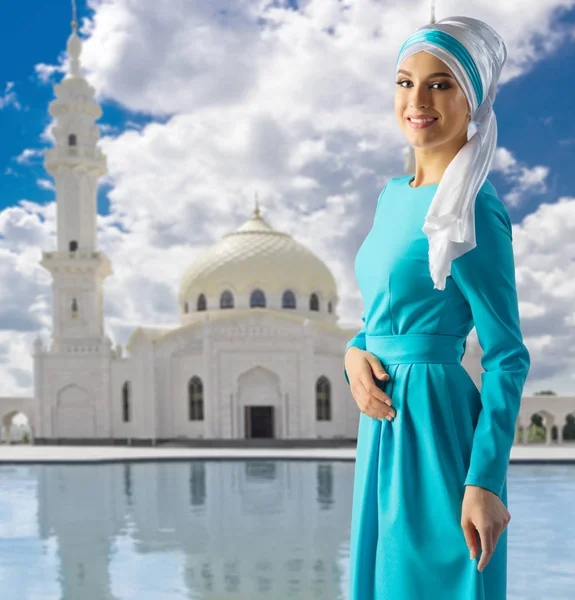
[475, 53]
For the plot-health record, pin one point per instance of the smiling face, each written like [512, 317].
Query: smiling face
[421, 90]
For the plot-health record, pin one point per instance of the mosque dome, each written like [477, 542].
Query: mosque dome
[257, 256]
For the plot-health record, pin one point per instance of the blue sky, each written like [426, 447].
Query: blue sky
[205, 103]
[532, 111]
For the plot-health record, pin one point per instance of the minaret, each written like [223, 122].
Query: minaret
[77, 266]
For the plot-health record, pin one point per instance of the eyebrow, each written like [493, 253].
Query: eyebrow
[440, 74]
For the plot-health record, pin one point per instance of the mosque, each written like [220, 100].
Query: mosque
[256, 353]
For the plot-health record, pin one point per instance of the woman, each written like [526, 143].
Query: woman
[430, 494]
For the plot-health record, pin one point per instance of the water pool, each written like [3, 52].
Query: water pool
[232, 530]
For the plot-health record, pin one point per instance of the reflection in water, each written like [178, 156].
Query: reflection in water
[223, 530]
[324, 486]
[197, 483]
[128, 483]
[211, 530]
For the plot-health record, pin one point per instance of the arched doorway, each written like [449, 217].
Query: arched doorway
[16, 428]
[75, 416]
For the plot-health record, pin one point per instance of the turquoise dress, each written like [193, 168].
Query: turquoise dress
[410, 474]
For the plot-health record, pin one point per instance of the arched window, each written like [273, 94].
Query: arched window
[73, 245]
[201, 302]
[186, 307]
[74, 308]
[329, 308]
[313, 302]
[195, 399]
[288, 299]
[323, 399]
[226, 299]
[126, 402]
[72, 140]
[257, 299]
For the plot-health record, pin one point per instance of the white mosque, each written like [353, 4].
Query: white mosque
[257, 352]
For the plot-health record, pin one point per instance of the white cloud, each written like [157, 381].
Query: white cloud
[46, 73]
[544, 249]
[257, 98]
[9, 97]
[27, 156]
[46, 184]
[525, 180]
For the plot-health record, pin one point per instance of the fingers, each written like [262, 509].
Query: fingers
[470, 538]
[380, 400]
[378, 371]
[379, 395]
[483, 514]
[371, 400]
[487, 545]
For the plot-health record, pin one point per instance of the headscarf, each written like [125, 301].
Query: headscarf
[475, 53]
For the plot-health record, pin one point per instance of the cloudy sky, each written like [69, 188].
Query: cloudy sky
[208, 101]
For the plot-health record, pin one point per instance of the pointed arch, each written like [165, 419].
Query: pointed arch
[226, 299]
[288, 299]
[257, 299]
[195, 399]
[314, 302]
[323, 399]
[75, 415]
[126, 402]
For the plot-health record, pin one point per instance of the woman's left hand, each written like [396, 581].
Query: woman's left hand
[483, 511]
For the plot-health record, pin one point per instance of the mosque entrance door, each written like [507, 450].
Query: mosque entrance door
[259, 421]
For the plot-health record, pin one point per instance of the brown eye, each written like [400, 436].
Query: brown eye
[445, 86]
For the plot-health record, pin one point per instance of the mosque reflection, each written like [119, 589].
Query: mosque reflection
[240, 529]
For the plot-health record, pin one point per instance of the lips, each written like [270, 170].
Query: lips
[423, 124]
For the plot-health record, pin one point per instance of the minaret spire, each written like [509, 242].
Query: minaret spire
[432, 12]
[256, 206]
[74, 46]
[74, 21]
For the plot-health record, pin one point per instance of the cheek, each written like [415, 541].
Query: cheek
[455, 106]
[399, 107]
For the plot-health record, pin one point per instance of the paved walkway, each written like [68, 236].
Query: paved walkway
[54, 454]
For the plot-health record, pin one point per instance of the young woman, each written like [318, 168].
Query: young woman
[430, 493]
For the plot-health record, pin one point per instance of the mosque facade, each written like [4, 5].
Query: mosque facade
[256, 353]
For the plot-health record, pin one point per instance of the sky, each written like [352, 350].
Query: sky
[206, 102]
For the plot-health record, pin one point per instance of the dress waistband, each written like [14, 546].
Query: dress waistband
[416, 348]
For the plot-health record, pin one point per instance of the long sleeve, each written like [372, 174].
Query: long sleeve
[486, 278]
[357, 340]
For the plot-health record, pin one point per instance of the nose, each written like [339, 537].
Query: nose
[419, 95]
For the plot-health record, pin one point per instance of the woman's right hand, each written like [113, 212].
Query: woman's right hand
[362, 367]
